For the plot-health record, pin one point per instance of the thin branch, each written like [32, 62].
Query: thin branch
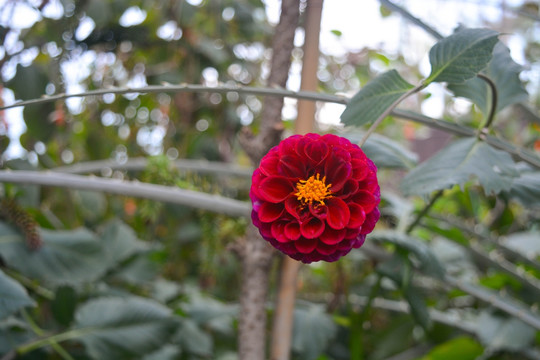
[175, 195]
[413, 19]
[507, 305]
[275, 91]
[138, 164]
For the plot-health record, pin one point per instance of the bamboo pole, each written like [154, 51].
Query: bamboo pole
[284, 311]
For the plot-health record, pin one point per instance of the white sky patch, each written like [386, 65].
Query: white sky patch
[85, 28]
[133, 15]
[17, 14]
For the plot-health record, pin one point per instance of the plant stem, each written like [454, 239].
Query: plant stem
[388, 111]
[41, 291]
[39, 332]
[424, 211]
[357, 327]
[493, 107]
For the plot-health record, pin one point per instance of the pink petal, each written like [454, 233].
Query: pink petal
[292, 230]
[312, 228]
[275, 189]
[338, 213]
[269, 212]
[331, 236]
[358, 216]
[305, 246]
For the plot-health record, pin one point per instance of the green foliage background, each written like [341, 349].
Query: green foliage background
[452, 270]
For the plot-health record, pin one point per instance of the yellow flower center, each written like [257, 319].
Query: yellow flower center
[313, 189]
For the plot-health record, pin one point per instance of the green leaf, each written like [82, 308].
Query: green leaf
[461, 55]
[123, 328]
[120, 242]
[193, 339]
[13, 296]
[374, 98]
[462, 348]
[457, 163]
[426, 259]
[91, 204]
[66, 257]
[385, 152]
[313, 330]
[499, 333]
[504, 72]
[525, 189]
[64, 304]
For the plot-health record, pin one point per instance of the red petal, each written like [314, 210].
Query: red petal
[275, 189]
[269, 164]
[319, 211]
[331, 236]
[337, 172]
[305, 246]
[292, 166]
[325, 249]
[292, 230]
[357, 216]
[371, 220]
[316, 151]
[338, 213]
[294, 207]
[312, 228]
[366, 200]
[349, 188]
[278, 232]
[269, 212]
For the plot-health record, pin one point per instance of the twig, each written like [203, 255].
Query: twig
[199, 200]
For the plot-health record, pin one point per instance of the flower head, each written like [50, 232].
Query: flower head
[315, 197]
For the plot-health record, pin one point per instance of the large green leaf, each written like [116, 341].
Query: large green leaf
[66, 257]
[374, 98]
[461, 55]
[193, 339]
[385, 152]
[504, 72]
[526, 189]
[313, 330]
[457, 163]
[462, 348]
[500, 333]
[120, 242]
[426, 259]
[13, 296]
[123, 328]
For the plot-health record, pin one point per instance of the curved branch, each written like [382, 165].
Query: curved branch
[199, 200]
[137, 164]
[248, 90]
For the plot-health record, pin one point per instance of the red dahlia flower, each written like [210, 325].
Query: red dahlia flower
[315, 197]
